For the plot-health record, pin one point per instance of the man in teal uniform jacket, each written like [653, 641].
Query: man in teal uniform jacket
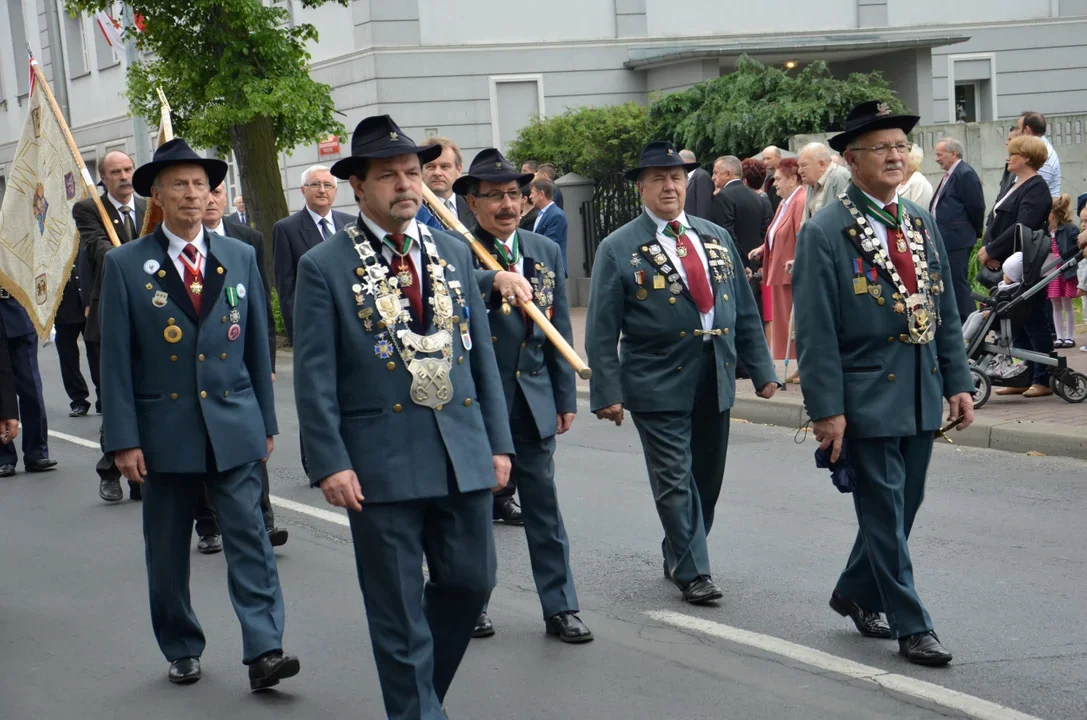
[540, 387]
[674, 288]
[878, 330]
[403, 416]
[187, 405]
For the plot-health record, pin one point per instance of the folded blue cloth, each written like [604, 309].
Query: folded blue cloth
[841, 472]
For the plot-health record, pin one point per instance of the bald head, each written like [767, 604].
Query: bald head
[771, 156]
[687, 156]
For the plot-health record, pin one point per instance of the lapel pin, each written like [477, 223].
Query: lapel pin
[151, 267]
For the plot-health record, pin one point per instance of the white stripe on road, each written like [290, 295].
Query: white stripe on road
[952, 699]
[968, 704]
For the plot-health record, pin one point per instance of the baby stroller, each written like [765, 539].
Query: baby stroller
[993, 359]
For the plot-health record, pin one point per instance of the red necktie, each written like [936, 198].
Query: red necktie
[697, 280]
[903, 261]
[404, 267]
[194, 277]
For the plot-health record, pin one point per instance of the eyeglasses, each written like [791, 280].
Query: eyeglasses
[319, 185]
[496, 196]
[882, 150]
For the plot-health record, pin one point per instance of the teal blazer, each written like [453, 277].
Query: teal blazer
[526, 358]
[354, 406]
[170, 399]
[638, 348]
[851, 347]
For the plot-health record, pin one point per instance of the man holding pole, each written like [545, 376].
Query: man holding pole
[403, 416]
[540, 387]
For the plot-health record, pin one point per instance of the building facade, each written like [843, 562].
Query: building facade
[478, 70]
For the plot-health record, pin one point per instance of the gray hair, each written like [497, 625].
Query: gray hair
[952, 146]
[818, 151]
[916, 157]
[688, 156]
[312, 169]
[732, 164]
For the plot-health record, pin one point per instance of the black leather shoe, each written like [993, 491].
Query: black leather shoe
[702, 590]
[508, 511]
[110, 490]
[98, 407]
[270, 668]
[870, 624]
[40, 465]
[80, 410]
[484, 627]
[569, 628]
[7, 470]
[924, 649]
[210, 544]
[184, 671]
[278, 536]
[134, 491]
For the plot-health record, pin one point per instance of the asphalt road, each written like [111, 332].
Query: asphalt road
[999, 554]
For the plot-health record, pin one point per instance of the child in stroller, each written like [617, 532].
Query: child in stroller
[1002, 366]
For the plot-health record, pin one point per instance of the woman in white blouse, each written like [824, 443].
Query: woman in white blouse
[917, 187]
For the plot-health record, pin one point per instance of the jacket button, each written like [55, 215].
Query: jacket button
[173, 396]
[397, 407]
[891, 339]
[203, 394]
[460, 360]
[467, 402]
[224, 319]
[517, 374]
[200, 357]
[390, 366]
[524, 345]
[903, 338]
[725, 331]
[494, 338]
[671, 301]
[697, 333]
[683, 333]
[456, 319]
[223, 356]
[439, 407]
[226, 393]
[534, 373]
[934, 370]
[726, 364]
[173, 358]
[725, 297]
[679, 368]
[891, 377]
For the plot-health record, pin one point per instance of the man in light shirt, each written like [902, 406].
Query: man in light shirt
[825, 179]
[1032, 123]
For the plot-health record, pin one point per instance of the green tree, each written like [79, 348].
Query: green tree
[755, 106]
[594, 141]
[237, 78]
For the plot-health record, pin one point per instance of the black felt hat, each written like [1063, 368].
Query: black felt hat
[492, 166]
[659, 153]
[176, 152]
[379, 137]
[869, 116]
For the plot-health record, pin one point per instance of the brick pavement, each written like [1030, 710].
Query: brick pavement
[1051, 410]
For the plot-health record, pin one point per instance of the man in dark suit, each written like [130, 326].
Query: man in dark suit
[293, 236]
[69, 323]
[540, 387]
[529, 213]
[207, 524]
[551, 220]
[959, 209]
[189, 405]
[439, 175]
[700, 188]
[22, 347]
[126, 213]
[238, 217]
[403, 414]
[550, 172]
[771, 156]
[83, 265]
[738, 209]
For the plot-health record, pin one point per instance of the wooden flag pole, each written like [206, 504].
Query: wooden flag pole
[88, 181]
[153, 215]
[451, 221]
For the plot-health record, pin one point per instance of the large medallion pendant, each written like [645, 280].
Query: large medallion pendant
[431, 385]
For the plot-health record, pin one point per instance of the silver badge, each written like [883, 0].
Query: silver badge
[151, 267]
[241, 290]
[160, 298]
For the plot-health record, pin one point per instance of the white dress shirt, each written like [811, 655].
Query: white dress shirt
[220, 229]
[669, 245]
[177, 244]
[539, 215]
[331, 223]
[450, 203]
[412, 231]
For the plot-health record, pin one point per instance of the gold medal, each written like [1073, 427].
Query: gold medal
[196, 287]
[860, 285]
[172, 333]
[658, 282]
[900, 242]
[681, 250]
[641, 293]
[404, 277]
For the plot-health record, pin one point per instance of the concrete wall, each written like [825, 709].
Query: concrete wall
[985, 150]
[685, 18]
[924, 12]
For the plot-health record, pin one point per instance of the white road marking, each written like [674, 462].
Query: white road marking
[945, 697]
[74, 440]
[968, 704]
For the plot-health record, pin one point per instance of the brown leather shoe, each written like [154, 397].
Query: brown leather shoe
[1011, 391]
[1038, 391]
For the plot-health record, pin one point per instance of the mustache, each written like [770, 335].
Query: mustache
[897, 165]
[506, 215]
[404, 197]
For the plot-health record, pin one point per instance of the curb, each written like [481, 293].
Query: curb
[1015, 436]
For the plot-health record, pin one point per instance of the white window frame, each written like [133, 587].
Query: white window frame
[993, 93]
[495, 80]
[80, 21]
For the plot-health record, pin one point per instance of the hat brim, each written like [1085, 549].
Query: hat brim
[144, 177]
[905, 123]
[345, 168]
[460, 185]
[635, 173]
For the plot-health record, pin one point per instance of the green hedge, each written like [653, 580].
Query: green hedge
[277, 313]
